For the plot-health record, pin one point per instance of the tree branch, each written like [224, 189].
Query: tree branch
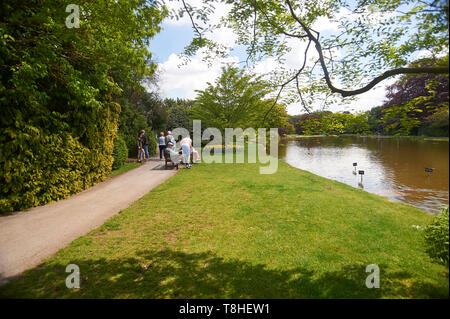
[375, 81]
[192, 20]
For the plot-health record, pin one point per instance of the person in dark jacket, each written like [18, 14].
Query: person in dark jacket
[140, 147]
[145, 144]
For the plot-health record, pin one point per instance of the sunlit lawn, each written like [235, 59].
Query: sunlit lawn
[225, 231]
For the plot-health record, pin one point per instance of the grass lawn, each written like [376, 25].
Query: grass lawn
[225, 231]
[125, 168]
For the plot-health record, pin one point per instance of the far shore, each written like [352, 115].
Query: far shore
[426, 138]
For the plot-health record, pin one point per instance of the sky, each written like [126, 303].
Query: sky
[178, 80]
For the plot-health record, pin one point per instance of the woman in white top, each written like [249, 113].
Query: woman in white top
[186, 144]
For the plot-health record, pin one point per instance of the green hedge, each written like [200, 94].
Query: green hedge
[38, 166]
[58, 94]
[131, 122]
[120, 153]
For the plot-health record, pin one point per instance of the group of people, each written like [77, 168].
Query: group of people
[168, 144]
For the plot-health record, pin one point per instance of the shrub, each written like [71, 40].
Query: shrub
[437, 237]
[38, 167]
[120, 153]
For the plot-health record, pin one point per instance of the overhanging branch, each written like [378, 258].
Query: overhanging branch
[371, 84]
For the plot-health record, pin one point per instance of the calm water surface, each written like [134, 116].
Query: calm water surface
[394, 168]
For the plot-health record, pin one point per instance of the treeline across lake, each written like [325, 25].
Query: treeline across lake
[414, 105]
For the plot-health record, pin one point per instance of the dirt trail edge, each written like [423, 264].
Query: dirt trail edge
[28, 237]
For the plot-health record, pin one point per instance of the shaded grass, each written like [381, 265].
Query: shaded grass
[125, 168]
[225, 231]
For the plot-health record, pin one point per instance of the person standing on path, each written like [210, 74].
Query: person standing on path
[145, 144]
[170, 138]
[161, 144]
[186, 145]
[140, 147]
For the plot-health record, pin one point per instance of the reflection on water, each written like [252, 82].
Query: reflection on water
[394, 168]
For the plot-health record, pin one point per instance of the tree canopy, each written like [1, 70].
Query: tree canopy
[370, 41]
[237, 100]
[59, 91]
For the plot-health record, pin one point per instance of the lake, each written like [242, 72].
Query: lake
[393, 167]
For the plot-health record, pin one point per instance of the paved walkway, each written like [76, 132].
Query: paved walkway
[27, 237]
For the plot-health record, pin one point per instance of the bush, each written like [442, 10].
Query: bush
[38, 167]
[120, 153]
[437, 237]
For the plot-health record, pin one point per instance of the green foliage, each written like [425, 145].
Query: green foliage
[357, 124]
[437, 124]
[366, 38]
[374, 121]
[131, 122]
[401, 120]
[237, 100]
[38, 167]
[437, 237]
[277, 116]
[120, 153]
[333, 123]
[58, 115]
[178, 113]
[152, 107]
[413, 100]
[311, 126]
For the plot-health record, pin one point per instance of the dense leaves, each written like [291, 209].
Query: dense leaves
[417, 104]
[332, 123]
[366, 42]
[238, 100]
[120, 153]
[178, 113]
[58, 114]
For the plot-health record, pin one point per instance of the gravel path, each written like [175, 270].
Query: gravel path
[27, 237]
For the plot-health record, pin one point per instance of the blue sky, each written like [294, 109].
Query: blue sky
[172, 39]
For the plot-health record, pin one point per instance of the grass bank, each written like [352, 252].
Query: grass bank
[225, 231]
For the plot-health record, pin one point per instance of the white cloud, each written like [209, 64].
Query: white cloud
[182, 80]
[224, 36]
[190, 77]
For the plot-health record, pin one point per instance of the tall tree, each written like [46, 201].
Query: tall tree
[412, 100]
[178, 113]
[58, 78]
